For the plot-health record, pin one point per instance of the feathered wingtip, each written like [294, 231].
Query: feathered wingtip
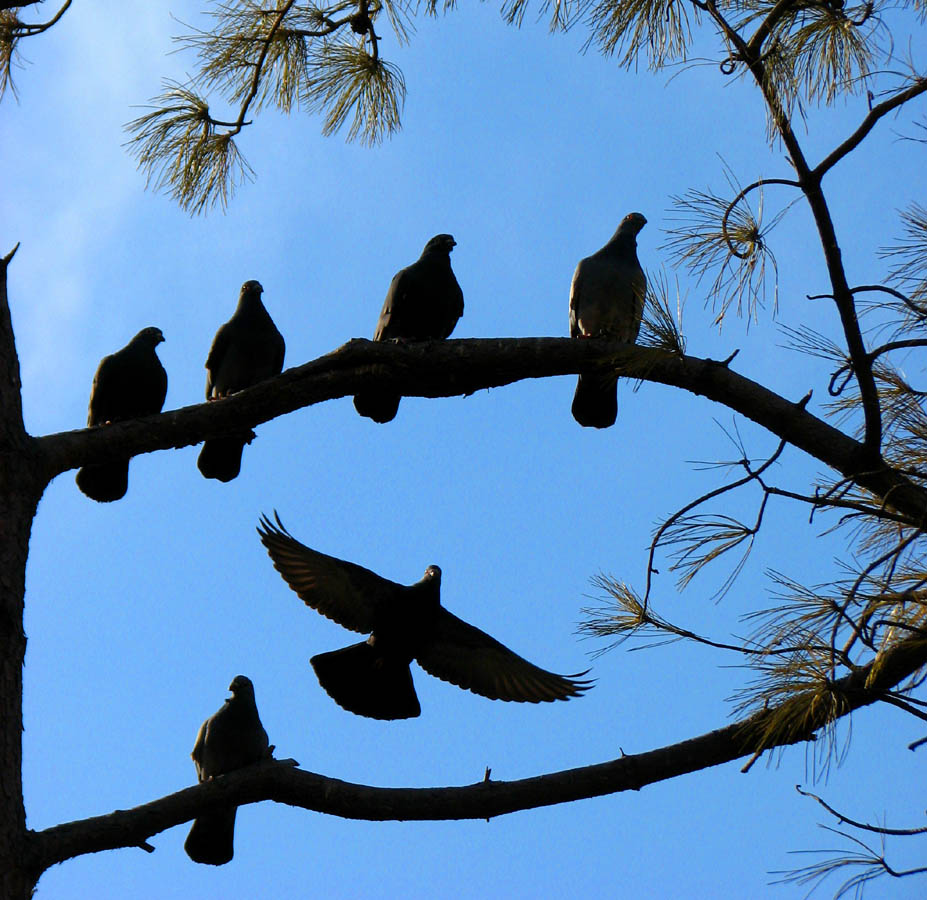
[578, 683]
[266, 528]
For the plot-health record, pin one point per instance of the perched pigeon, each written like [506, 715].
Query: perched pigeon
[372, 678]
[424, 302]
[230, 739]
[607, 299]
[128, 384]
[246, 349]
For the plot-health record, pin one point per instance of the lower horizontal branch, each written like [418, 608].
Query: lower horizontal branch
[281, 782]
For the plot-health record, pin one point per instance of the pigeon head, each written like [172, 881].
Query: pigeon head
[432, 573]
[440, 243]
[632, 223]
[252, 287]
[241, 686]
[149, 336]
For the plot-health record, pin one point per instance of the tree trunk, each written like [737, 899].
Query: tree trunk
[21, 486]
[18, 503]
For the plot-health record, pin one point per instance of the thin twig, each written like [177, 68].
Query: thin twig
[751, 476]
[30, 30]
[868, 123]
[743, 193]
[878, 829]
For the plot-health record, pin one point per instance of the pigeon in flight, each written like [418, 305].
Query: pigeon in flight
[372, 678]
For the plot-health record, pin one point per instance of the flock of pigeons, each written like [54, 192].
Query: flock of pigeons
[404, 622]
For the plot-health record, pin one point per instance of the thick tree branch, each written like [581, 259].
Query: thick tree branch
[484, 799]
[455, 367]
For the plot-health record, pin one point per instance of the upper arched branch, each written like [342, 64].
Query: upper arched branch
[462, 367]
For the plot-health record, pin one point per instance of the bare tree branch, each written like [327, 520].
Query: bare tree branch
[868, 123]
[878, 829]
[484, 799]
[455, 367]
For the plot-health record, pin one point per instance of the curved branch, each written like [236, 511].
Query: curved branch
[863, 288]
[743, 193]
[868, 123]
[24, 30]
[768, 25]
[897, 345]
[817, 502]
[810, 182]
[724, 488]
[878, 829]
[259, 67]
[462, 367]
[482, 800]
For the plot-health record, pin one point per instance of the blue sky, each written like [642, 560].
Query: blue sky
[139, 613]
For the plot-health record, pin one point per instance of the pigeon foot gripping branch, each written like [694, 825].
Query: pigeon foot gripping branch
[424, 302]
[607, 300]
[405, 622]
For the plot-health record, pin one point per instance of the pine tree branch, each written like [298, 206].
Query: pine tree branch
[810, 182]
[29, 30]
[462, 367]
[259, 66]
[281, 782]
[869, 122]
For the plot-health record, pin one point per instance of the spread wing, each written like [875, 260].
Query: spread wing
[463, 655]
[342, 591]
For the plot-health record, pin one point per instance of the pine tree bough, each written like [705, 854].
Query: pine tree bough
[281, 782]
[462, 367]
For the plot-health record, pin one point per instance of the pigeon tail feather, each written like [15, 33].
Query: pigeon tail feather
[104, 483]
[595, 403]
[220, 458]
[381, 406]
[363, 682]
[211, 840]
